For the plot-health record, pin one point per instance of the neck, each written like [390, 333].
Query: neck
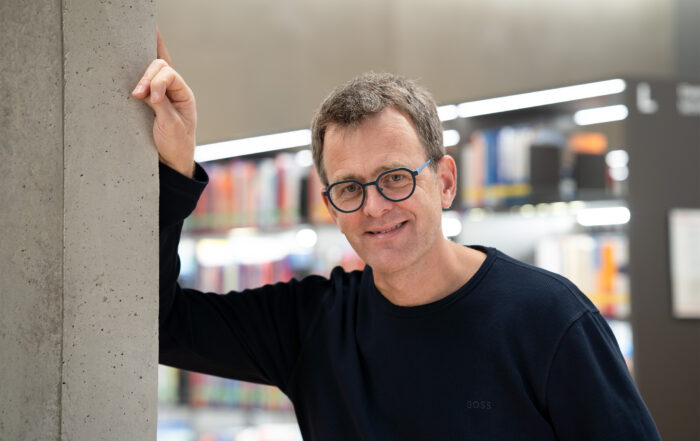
[436, 276]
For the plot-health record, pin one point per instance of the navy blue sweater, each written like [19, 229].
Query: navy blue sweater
[517, 353]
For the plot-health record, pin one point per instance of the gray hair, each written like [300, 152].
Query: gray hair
[368, 94]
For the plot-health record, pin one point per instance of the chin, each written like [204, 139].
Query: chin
[388, 260]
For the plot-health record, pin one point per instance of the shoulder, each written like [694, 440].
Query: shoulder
[529, 310]
[317, 296]
[338, 284]
[532, 292]
[301, 300]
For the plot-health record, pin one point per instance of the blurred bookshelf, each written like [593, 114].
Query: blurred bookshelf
[541, 183]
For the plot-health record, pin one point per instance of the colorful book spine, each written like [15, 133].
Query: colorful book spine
[237, 277]
[494, 167]
[256, 193]
[318, 213]
[209, 391]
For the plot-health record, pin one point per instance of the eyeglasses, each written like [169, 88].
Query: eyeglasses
[396, 185]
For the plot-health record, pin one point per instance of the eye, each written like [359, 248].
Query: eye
[351, 188]
[397, 179]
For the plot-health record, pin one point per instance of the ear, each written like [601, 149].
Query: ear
[330, 208]
[447, 180]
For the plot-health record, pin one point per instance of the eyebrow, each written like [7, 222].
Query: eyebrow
[377, 171]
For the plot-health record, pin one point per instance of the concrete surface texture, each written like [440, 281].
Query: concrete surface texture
[31, 218]
[78, 284]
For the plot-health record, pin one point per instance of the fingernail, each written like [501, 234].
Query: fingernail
[155, 96]
[139, 89]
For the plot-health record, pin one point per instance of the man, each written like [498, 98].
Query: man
[432, 340]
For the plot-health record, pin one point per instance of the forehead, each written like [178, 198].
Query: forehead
[383, 141]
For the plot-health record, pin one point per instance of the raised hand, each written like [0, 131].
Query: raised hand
[164, 90]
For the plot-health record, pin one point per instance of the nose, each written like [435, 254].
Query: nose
[375, 204]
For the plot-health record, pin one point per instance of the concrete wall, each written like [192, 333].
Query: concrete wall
[260, 67]
[78, 261]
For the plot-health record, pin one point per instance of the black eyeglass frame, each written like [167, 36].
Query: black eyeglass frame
[413, 173]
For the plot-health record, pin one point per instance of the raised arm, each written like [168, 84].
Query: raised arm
[254, 335]
[172, 100]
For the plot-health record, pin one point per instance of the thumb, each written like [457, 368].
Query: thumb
[161, 49]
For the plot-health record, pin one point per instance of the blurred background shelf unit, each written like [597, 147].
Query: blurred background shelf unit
[573, 179]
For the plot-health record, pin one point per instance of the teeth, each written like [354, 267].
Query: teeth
[391, 229]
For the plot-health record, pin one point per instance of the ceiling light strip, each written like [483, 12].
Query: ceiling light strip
[300, 138]
[250, 146]
[599, 115]
[591, 217]
[541, 98]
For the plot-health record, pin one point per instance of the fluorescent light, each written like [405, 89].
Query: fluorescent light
[451, 224]
[619, 173]
[600, 115]
[187, 251]
[304, 158]
[213, 252]
[617, 158]
[541, 98]
[186, 248]
[450, 138]
[306, 238]
[249, 146]
[591, 217]
[617, 161]
[527, 210]
[448, 113]
[252, 250]
[477, 215]
[576, 206]
[560, 208]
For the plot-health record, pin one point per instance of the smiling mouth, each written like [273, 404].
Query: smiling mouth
[395, 227]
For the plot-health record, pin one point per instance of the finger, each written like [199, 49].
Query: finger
[165, 112]
[142, 89]
[163, 108]
[170, 82]
[162, 50]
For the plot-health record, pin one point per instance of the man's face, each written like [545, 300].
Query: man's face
[389, 236]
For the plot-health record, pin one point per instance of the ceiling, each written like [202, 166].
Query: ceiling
[261, 67]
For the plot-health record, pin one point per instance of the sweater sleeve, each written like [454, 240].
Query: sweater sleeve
[179, 194]
[590, 393]
[254, 335]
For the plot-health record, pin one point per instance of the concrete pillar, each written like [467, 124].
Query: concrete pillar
[78, 260]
